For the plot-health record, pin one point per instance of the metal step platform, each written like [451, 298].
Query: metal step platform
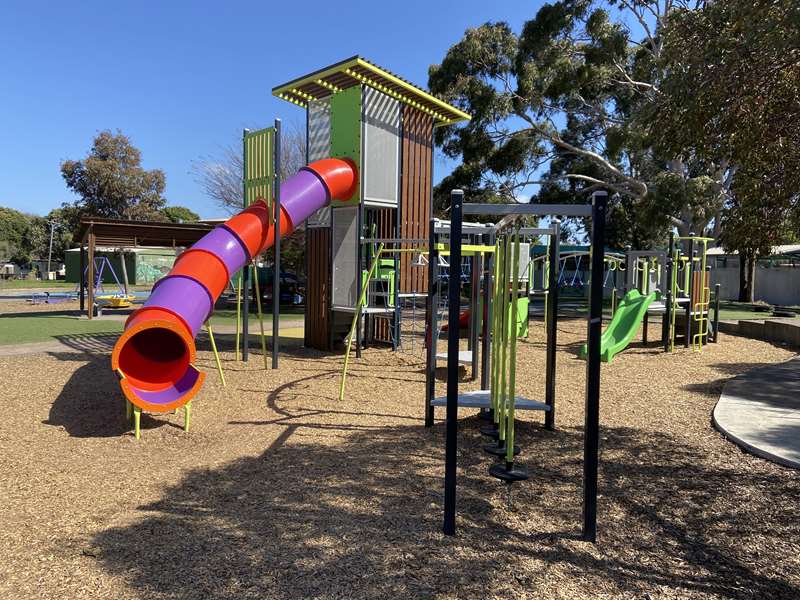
[464, 357]
[480, 399]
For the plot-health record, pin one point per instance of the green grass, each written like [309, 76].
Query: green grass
[26, 328]
[26, 284]
[35, 284]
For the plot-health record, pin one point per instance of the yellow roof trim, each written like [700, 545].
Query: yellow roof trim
[441, 112]
[412, 88]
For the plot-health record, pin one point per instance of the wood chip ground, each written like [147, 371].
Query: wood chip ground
[282, 491]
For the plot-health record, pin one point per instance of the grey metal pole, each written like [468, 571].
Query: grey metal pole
[82, 277]
[591, 436]
[246, 267]
[431, 309]
[276, 261]
[50, 250]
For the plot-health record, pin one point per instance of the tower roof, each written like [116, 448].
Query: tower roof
[356, 71]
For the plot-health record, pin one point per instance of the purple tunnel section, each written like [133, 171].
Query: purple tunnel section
[173, 392]
[303, 194]
[184, 297]
[222, 242]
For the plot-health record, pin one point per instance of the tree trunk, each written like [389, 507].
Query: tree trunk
[747, 277]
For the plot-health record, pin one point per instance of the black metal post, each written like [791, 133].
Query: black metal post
[454, 303]
[276, 264]
[645, 324]
[486, 343]
[591, 440]
[430, 335]
[668, 308]
[551, 325]
[716, 313]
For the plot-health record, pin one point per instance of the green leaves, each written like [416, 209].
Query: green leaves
[112, 183]
[180, 214]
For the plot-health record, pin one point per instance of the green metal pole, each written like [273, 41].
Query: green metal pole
[512, 375]
[361, 300]
[216, 354]
[496, 329]
[505, 335]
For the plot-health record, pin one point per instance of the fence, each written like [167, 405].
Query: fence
[775, 285]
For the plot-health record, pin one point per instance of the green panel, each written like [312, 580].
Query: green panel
[259, 165]
[72, 265]
[346, 131]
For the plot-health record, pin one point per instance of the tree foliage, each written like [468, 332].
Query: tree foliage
[180, 214]
[730, 96]
[561, 103]
[28, 236]
[15, 229]
[112, 183]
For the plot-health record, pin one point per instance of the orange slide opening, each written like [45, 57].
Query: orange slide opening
[154, 351]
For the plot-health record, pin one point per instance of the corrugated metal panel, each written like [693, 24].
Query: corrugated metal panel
[345, 238]
[317, 325]
[415, 204]
[319, 147]
[259, 165]
[381, 129]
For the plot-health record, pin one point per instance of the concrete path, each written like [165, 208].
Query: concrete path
[760, 411]
[93, 343]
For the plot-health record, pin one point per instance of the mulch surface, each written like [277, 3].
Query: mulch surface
[281, 491]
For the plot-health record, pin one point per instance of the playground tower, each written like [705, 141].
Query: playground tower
[384, 124]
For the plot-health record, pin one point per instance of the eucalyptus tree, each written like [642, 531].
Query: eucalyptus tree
[564, 103]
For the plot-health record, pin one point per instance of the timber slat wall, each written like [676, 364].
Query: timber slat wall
[318, 310]
[415, 194]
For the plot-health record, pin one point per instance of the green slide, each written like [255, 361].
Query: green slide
[624, 325]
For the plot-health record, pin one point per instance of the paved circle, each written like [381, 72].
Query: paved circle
[760, 411]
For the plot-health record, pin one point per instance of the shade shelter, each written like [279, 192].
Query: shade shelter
[121, 233]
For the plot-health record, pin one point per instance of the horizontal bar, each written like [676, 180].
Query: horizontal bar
[472, 248]
[466, 229]
[392, 241]
[562, 210]
[536, 231]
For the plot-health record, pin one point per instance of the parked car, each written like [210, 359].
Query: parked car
[292, 288]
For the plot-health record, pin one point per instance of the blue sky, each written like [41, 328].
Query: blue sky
[183, 78]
